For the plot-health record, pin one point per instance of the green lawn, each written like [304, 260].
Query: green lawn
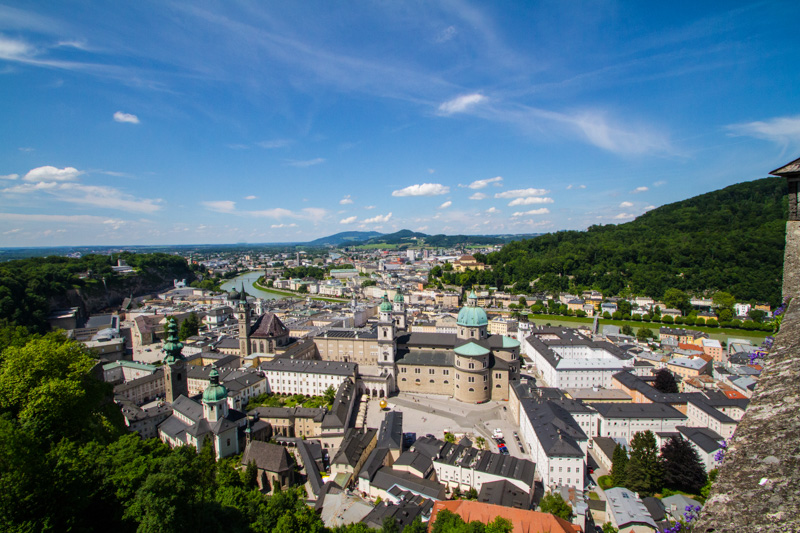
[652, 325]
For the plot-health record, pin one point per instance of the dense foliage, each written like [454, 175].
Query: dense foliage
[665, 381]
[683, 469]
[554, 504]
[448, 522]
[645, 470]
[731, 240]
[27, 286]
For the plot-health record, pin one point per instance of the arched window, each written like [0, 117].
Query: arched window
[471, 389]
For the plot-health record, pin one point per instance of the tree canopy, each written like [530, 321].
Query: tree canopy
[644, 473]
[683, 469]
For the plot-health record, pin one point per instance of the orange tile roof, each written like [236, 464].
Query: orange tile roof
[687, 346]
[734, 395]
[522, 520]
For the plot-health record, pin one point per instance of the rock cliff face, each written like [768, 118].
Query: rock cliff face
[758, 488]
[117, 289]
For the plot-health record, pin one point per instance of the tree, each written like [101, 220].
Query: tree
[757, 315]
[644, 333]
[190, 327]
[449, 437]
[677, 299]
[499, 525]
[329, 395]
[644, 473]
[554, 504]
[303, 289]
[712, 477]
[480, 442]
[723, 300]
[627, 329]
[665, 381]
[619, 464]
[608, 527]
[389, 525]
[369, 283]
[682, 467]
[471, 494]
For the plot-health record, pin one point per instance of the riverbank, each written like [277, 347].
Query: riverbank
[293, 294]
[654, 326]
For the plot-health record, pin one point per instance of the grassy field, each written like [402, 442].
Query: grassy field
[555, 319]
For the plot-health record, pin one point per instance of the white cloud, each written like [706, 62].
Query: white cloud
[623, 216]
[15, 50]
[478, 196]
[618, 138]
[519, 193]
[637, 190]
[531, 200]
[424, 189]
[446, 205]
[626, 204]
[11, 231]
[119, 116]
[276, 143]
[277, 212]
[26, 149]
[461, 103]
[348, 220]
[305, 163]
[659, 183]
[91, 195]
[492, 210]
[780, 130]
[59, 219]
[278, 226]
[251, 197]
[9, 177]
[446, 34]
[582, 187]
[346, 200]
[649, 207]
[542, 211]
[221, 206]
[369, 207]
[378, 219]
[569, 186]
[480, 184]
[48, 173]
[431, 171]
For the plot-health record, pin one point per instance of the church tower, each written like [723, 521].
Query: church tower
[386, 342]
[175, 378]
[215, 399]
[243, 317]
[399, 310]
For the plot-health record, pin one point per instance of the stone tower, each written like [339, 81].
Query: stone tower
[386, 342]
[399, 310]
[175, 378]
[243, 317]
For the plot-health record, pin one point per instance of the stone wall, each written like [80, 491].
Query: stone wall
[758, 488]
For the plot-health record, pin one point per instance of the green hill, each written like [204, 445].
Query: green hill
[730, 240]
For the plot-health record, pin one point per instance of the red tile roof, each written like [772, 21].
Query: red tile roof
[522, 520]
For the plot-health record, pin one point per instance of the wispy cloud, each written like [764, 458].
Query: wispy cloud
[478, 196]
[275, 143]
[492, 210]
[9, 177]
[348, 220]
[530, 200]
[518, 193]
[446, 34]
[638, 190]
[119, 116]
[378, 219]
[480, 184]
[461, 103]
[251, 197]
[659, 183]
[542, 211]
[220, 206]
[346, 200]
[784, 131]
[626, 204]
[446, 205]
[305, 163]
[623, 216]
[278, 226]
[424, 189]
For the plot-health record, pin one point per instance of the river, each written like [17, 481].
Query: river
[248, 279]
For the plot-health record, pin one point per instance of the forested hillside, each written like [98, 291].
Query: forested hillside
[730, 240]
[30, 287]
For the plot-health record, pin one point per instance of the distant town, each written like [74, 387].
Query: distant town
[385, 393]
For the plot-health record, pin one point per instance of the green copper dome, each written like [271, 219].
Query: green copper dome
[508, 342]
[385, 307]
[471, 350]
[472, 317]
[398, 298]
[215, 392]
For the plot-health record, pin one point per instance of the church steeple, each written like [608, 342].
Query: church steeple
[175, 379]
[243, 318]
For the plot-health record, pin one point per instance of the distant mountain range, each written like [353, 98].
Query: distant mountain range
[412, 239]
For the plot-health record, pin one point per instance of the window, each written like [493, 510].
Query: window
[497, 375]
[432, 381]
[471, 379]
[485, 378]
[403, 370]
[445, 372]
[431, 371]
[402, 379]
[471, 366]
[417, 370]
[471, 389]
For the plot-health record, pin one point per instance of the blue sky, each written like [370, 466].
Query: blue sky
[220, 122]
